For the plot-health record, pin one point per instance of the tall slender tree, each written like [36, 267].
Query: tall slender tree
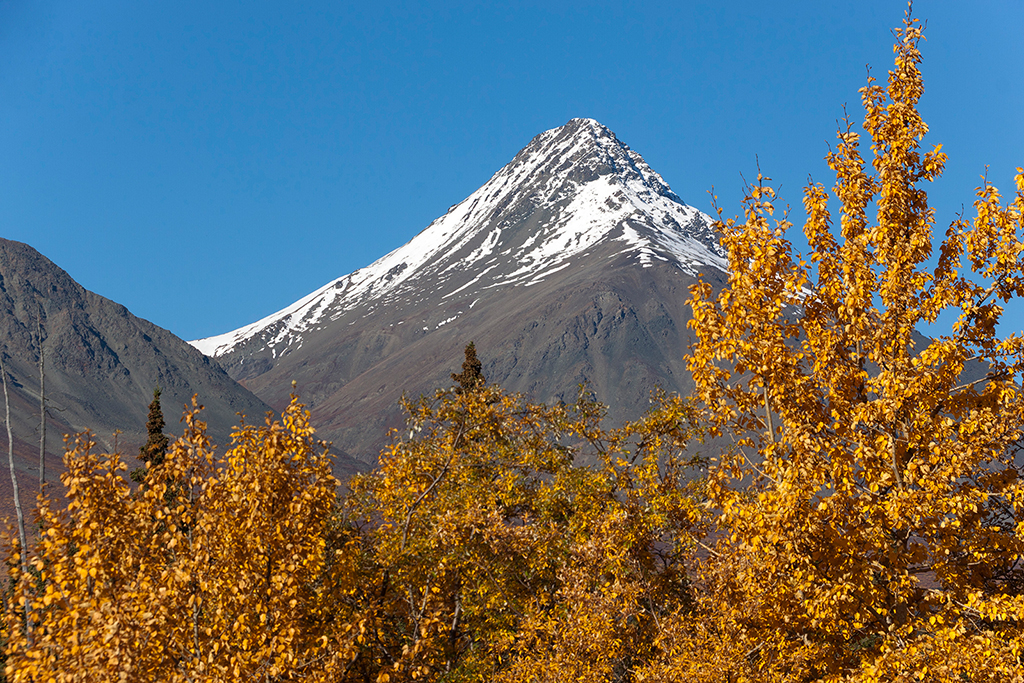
[155, 449]
[471, 376]
[22, 548]
[42, 405]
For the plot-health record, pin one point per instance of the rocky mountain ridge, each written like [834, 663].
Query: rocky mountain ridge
[570, 189]
[570, 265]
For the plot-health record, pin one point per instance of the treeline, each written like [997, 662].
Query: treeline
[863, 521]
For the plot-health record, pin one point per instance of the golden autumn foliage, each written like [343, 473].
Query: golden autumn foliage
[870, 511]
[864, 524]
[211, 571]
[477, 550]
[504, 560]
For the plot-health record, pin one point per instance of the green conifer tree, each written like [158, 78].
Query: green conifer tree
[155, 450]
[471, 376]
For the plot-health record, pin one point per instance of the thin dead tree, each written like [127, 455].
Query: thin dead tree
[10, 459]
[42, 406]
[23, 549]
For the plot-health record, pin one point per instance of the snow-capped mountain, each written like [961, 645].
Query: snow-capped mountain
[570, 189]
[570, 265]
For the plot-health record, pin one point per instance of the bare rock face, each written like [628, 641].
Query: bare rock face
[101, 365]
[570, 265]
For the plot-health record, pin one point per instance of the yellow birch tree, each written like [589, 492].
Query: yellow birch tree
[229, 569]
[504, 559]
[870, 512]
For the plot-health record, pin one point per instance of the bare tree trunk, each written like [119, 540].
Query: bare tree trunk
[14, 485]
[768, 412]
[42, 411]
[10, 459]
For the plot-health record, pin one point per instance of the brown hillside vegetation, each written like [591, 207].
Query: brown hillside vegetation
[866, 525]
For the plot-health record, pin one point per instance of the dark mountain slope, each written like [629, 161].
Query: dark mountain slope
[101, 365]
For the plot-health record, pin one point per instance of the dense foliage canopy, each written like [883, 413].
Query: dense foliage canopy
[871, 505]
[475, 551]
[864, 522]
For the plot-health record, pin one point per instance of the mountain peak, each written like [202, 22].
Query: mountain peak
[588, 129]
[572, 191]
[583, 150]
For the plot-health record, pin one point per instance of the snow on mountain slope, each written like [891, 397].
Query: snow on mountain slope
[570, 189]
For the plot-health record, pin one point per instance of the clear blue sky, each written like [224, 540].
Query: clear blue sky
[208, 163]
